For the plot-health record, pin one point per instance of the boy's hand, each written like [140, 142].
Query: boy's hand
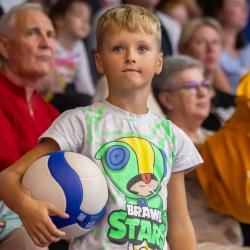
[36, 220]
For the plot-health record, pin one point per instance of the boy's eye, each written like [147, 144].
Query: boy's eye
[143, 48]
[117, 49]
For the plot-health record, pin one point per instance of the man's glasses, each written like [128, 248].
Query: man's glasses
[193, 87]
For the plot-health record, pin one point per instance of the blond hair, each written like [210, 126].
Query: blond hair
[191, 26]
[128, 17]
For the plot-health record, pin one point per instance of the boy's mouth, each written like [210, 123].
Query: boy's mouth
[131, 70]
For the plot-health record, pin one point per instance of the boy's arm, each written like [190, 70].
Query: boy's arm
[33, 213]
[181, 233]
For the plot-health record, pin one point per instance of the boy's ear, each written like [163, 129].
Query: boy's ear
[165, 100]
[98, 63]
[4, 48]
[159, 64]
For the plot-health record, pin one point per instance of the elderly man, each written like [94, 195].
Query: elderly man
[27, 41]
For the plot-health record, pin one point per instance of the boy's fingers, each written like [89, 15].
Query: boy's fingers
[38, 239]
[54, 231]
[42, 237]
[41, 240]
[54, 210]
[50, 233]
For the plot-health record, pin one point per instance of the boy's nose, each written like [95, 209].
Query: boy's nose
[128, 61]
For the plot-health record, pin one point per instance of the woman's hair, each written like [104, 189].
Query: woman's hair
[7, 21]
[62, 6]
[128, 17]
[191, 26]
[212, 8]
[172, 68]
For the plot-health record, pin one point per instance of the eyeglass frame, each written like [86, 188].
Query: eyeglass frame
[193, 85]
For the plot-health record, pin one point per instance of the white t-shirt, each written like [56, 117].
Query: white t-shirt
[137, 154]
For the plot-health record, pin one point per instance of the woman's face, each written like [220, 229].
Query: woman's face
[191, 96]
[205, 45]
[234, 14]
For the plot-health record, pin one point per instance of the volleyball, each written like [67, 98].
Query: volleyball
[72, 182]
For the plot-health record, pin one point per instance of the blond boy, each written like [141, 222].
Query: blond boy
[143, 156]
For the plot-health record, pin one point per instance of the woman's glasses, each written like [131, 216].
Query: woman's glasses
[194, 87]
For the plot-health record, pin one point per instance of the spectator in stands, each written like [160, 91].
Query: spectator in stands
[27, 40]
[184, 95]
[201, 39]
[233, 17]
[70, 83]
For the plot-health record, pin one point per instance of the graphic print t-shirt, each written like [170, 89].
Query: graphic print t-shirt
[137, 154]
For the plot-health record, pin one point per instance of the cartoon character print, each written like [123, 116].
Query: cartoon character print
[136, 167]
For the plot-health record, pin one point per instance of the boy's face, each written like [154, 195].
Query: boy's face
[129, 60]
[77, 20]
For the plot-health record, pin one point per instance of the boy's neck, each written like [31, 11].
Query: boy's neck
[66, 41]
[129, 103]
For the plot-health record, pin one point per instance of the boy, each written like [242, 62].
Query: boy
[135, 149]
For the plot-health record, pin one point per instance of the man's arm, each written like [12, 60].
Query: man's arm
[181, 233]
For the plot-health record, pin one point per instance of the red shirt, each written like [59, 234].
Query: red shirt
[19, 129]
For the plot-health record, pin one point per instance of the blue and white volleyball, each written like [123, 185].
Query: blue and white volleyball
[73, 183]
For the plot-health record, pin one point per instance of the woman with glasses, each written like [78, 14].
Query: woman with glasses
[185, 97]
[201, 38]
